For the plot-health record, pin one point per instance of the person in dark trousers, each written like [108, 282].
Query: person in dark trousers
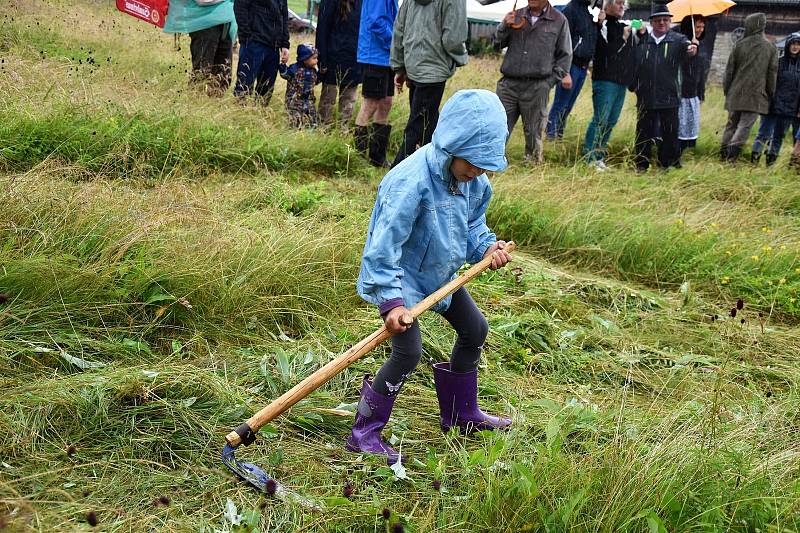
[374, 44]
[337, 43]
[429, 219]
[263, 45]
[784, 109]
[611, 76]
[693, 86]
[583, 31]
[212, 29]
[749, 84]
[539, 56]
[658, 57]
[301, 78]
[428, 43]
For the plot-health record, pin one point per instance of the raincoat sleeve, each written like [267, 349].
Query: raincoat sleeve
[397, 58]
[382, 274]
[285, 18]
[243, 7]
[730, 71]
[324, 23]
[380, 23]
[772, 74]
[502, 35]
[454, 30]
[479, 236]
[562, 56]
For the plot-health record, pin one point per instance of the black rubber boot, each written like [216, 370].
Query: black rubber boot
[755, 157]
[378, 144]
[733, 154]
[771, 158]
[723, 152]
[361, 137]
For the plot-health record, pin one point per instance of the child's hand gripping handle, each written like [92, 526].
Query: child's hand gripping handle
[246, 432]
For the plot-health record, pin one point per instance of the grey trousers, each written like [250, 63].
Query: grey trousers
[526, 98]
[737, 130]
[327, 99]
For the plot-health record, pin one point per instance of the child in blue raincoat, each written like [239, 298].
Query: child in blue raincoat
[428, 220]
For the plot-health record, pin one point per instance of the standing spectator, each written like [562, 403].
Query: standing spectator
[583, 33]
[749, 84]
[658, 57]
[539, 56]
[263, 45]
[693, 86]
[337, 44]
[374, 43]
[212, 29]
[427, 46]
[610, 79]
[301, 78]
[784, 110]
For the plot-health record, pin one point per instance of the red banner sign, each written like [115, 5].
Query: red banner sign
[152, 11]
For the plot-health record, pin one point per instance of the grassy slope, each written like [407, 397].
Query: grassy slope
[206, 256]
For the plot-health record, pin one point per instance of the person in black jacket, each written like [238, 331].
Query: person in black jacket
[263, 45]
[693, 87]
[658, 57]
[610, 79]
[337, 42]
[583, 32]
[784, 109]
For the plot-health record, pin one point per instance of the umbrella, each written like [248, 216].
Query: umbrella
[685, 8]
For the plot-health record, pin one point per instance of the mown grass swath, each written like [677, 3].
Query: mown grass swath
[171, 263]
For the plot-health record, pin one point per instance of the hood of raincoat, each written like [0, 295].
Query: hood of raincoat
[793, 38]
[472, 126]
[754, 24]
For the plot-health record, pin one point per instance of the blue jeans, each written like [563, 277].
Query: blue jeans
[772, 131]
[258, 66]
[607, 99]
[563, 102]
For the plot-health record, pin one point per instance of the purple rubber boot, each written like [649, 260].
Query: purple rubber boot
[458, 401]
[373, 413]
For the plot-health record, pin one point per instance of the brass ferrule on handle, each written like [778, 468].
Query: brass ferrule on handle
[245, 433]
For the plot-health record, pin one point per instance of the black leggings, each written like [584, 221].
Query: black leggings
[471, 327]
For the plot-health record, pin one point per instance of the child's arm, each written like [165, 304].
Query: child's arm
[284, 71]
[381, 272]
[479, 236]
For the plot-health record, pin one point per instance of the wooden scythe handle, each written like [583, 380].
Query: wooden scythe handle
[324, 374]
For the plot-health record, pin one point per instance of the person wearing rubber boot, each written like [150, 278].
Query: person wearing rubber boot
[372, 130]
[428, 220]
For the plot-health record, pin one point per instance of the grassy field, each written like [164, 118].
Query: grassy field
[171, 263]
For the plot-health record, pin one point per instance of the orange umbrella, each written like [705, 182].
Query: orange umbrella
[685, 8]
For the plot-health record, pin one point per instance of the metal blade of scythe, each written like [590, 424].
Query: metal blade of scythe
[259, 479]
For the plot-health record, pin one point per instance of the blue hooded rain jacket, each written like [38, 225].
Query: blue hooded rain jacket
[425, 224]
